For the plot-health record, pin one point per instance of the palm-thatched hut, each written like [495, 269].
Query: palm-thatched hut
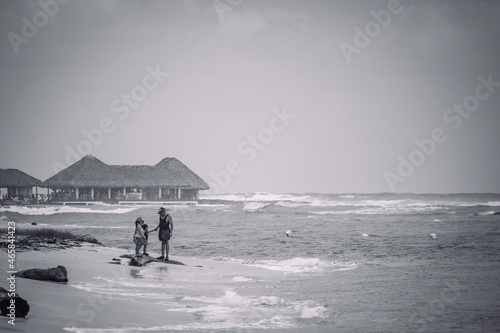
[19, 184]
[91, 179]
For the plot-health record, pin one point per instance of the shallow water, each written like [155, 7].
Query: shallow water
[354, 263]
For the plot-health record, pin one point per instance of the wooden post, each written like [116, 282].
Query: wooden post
[179, 193]
[159, 192]
[92, 193]
[77, 193]
[109, 193]
[36, 192]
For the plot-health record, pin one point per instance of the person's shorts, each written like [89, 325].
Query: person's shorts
[164, 235]
[140, 241]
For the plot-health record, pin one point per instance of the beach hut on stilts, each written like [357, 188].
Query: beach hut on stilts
[90, 180]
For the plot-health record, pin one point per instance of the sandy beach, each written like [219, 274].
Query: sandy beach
[74, 307]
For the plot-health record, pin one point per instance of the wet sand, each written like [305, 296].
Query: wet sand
[74, 307]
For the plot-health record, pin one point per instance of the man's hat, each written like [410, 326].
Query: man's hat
[162, 209]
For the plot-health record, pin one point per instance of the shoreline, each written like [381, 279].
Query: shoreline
[56, 306]
[75, 307]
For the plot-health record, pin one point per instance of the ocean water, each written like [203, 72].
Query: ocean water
[353, 263]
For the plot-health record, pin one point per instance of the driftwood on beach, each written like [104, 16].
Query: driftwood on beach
[144, 259]
[55, 274]
[16, 306]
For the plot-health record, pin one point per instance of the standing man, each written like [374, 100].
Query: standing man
[166, 227]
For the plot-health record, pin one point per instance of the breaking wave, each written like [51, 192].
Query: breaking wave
[232, 310]
[295, 265]
[254, 206]
[489, 212]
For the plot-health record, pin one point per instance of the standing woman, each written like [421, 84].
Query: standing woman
[139, 236]
[166, 227]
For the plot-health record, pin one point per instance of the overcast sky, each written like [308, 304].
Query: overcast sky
[273, 96]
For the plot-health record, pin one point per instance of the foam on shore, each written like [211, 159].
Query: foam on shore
[105, 297]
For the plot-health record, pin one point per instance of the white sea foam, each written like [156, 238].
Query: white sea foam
[211, 205]
[227, 311]
[295, 265]
[468, 204]
[296, 200]
[472, 204]
[232, 310]
[259, 196]
[280, 197]
[302, 265]
[292, 204]
[254, 206]
[51, 210]
[313, 312]
[489, 212]
[379, 210]
[242, 279]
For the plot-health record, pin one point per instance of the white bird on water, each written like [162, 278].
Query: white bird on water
[288, 233]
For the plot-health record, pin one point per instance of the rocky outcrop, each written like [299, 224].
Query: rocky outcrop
[27, 243]
[14, 307]
[56, 274]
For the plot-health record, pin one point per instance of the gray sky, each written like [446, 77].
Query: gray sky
[273, 96]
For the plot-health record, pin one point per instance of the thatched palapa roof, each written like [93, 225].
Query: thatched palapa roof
[15, 177]
[90, 171]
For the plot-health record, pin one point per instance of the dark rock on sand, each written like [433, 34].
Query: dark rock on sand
[87, 239]
[56, 274]
[21, 305]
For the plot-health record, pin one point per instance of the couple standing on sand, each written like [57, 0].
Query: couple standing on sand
[141, 232]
